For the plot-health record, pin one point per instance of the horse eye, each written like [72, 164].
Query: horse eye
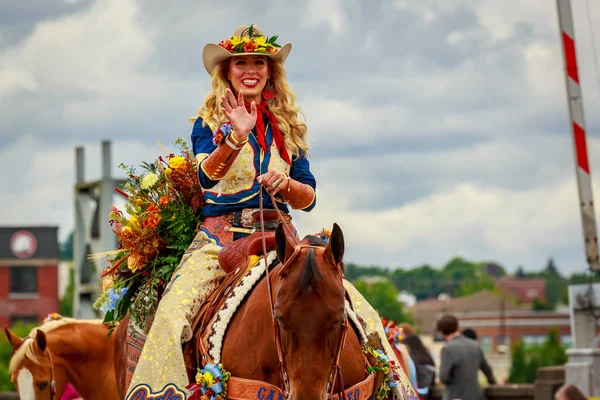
[43, 385]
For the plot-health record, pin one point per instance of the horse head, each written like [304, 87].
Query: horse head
[33, 371]
[310, 310]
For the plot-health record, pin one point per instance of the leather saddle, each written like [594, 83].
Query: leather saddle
[237, 254]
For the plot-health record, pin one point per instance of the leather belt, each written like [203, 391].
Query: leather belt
[248, 220]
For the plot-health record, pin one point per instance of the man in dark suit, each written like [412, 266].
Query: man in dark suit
[461, 360]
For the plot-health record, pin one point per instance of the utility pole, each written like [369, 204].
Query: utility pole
[93, 233]
[583, 368]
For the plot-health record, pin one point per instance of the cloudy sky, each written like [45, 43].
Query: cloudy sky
[438, 128]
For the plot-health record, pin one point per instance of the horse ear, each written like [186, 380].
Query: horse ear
[280, 243]
[335, 247]
[40, 340]
[13, 339]
[284, 244]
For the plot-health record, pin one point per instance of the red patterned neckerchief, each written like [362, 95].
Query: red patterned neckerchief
[263, 110]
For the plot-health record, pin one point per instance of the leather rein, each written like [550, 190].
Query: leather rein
[336, 371]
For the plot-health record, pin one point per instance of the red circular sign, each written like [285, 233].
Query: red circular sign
[23, 244]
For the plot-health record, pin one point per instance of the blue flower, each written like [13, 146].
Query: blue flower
[112, 299]
[226, 129]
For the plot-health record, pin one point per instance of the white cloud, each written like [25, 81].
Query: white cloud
[446, 134]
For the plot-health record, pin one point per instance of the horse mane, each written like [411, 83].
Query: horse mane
[26, 348]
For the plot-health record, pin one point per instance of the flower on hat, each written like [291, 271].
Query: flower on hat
[252, 43]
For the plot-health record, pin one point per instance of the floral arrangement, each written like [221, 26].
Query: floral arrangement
[253, 43]
[324, 234]
[387, 366]
[53, 317]
[394, 333]
[211, 383]
[163, 204]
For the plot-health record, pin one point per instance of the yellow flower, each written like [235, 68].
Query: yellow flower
[127, 229]
[168, 171]
[133, 220]
[235, 40]
[199, 377]
[260, 41]
[208, 378]
[176, 162]
[149, 181]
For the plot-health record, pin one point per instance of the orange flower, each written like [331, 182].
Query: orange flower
[134, 263]
[164, 200]
[249, 47]
[152, 209]
[151, 221]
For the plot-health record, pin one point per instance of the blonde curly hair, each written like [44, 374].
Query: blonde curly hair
[283, 106]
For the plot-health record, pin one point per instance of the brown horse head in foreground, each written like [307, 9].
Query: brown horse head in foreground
[309, 309]
[60, 351]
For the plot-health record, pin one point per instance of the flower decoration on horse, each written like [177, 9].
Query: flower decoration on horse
[252, 43]
[163, 205]
[211, 383]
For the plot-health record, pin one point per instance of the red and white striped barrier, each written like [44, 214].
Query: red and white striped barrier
[575, 100]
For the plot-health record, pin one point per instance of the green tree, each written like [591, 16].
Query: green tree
[353, 271]
[527, 359]
[474, 285]
[65, 249]
[382, 296]
[66, 302]
[20, 329]
[520, 272]
[518, 367]
[423, 281]
[541, 305]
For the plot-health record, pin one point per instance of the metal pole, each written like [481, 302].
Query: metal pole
[583, 368]
[582, 167]
[79, 238]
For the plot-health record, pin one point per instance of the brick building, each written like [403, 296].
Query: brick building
[525, 290]
[29, 259]
[532, 327]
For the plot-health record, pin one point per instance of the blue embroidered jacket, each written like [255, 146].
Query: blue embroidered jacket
[239, 188]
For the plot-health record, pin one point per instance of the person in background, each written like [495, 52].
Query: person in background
[423, 361]
[395, 333]
[569, 392]
[461, 360]
[70, 393]
[470, 333]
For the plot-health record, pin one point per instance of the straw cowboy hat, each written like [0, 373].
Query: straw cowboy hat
[245, 41]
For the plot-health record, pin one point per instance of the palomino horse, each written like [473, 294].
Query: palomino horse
[63, 350]
[309, 310]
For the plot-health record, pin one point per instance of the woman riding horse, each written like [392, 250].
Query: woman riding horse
[248, 133]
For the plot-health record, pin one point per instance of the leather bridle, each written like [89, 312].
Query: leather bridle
[336, 371]
[52, 380]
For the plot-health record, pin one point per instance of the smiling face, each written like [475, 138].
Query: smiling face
[250, 75]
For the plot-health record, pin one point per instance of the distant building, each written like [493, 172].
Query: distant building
[426, 312]
[407, 299]
[525, 290]
[29, 261]
[532, 327]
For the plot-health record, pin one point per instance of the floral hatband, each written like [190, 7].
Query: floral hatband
[252, 43]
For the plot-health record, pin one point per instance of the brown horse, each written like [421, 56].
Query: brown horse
[64, 350]
[309, 309]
